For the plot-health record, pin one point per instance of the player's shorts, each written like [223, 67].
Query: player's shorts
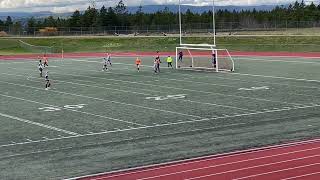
[40, 69]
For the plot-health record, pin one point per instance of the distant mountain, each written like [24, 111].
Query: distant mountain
[133, 9]
[198, 9]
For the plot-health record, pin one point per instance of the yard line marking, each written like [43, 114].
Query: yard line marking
[276, 60]
[38, 124]
[114, 119]
[305, 175]
[228, 78]
[274, 77]
[241, 79]
[105, 100]
[170, 87]
[252, 167]
[190, 90]
[79, 95]
[281, 170]
[225, 164]
[149, 127]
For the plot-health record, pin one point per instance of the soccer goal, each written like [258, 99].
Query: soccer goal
[36, 49]
[209, 59]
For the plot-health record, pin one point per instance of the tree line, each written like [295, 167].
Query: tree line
[118, 16]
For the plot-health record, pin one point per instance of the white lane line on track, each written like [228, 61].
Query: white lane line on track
[213, 166]
[281, 170]
[252, 167]
[231, 163]
[38, 124]
[302, 176]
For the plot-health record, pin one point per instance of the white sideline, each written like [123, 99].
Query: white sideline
[38, 124]
[146, 127]
[258, 99]
[133, 92]
[190, 90]
[282, 170]
[202, 159]
[276, 60]
[199, 120]
[73, 110]
[223, 164]
[274, 77]
[305, 175]
[252, 167]
[116, 102]
[236, 79]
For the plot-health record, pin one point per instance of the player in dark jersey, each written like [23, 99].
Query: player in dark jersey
[40, 66]
[214, 60]
[48, 84]
[180, 56]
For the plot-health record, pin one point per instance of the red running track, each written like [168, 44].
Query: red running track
[294, 161]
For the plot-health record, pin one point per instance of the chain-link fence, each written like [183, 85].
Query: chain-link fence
[243, 27]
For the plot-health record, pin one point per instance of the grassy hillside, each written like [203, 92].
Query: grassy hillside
[126, 44]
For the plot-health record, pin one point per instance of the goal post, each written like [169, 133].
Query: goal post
[203, 58]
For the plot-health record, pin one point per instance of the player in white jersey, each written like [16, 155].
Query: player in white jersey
[109, 59]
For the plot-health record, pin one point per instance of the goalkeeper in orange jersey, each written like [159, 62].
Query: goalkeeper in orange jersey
[138, 63]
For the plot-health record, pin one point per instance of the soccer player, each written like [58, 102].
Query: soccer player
[180, 56]
[169, 61]
[214, 60]
[105, 64]
[109, 59]
[158, 56]
[157, 65]
[48, 84]
[40, 66]
[45, 60]
[138, 63]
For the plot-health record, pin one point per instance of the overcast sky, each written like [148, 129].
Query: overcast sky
[71, 5]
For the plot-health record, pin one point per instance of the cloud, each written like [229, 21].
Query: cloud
[71, 5]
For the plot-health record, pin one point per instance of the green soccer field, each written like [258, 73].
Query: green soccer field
[92, 121]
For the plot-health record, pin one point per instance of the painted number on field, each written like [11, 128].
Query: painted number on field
[53, 109]
[254, 88]
[163, 98]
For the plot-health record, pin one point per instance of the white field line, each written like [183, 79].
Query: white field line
[171, 79]
[252, 167]
[133, 92]
[223, 164]
[161, 125]
[302, 176]
[274, 77]
[277, 60]
[184, 89]
[73, 110]
[286, 78]
[38, 124]
[202, 159]
[281, 170]
[105, 100]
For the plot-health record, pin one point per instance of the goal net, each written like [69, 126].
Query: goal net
[36, 49]
[209, 59]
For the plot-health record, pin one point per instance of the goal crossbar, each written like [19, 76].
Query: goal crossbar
[220, 62]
